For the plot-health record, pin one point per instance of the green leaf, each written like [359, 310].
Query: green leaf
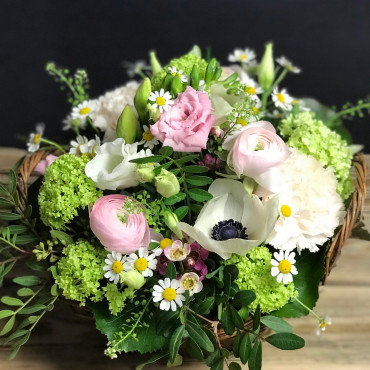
[287, 341]
[26, 239]
[153, 158]
[237, 342]
[37, 266]
[255, 357]
[3, 190]
[5, 202]
[219, 365]
[32, 309]
[28, 211]
[27, 280]
[205, 306]
[7, 269]
[213, 357]
[237, 320]
[232, 271]
[234, 366]
[171, 271]
[28, 321]
[153, 359]
[199, 336]
[166, 151]
[174, 199]
[306, 283]
[199, 180]
[257, 318]
[12, 181]
[199, 195]
[8, 326]
[25, 292]
[175, 342]
[6, 313]
[227, 322]
[243, 298]
[54, 290]
[181, 212]
[186, 159]
[61, 236]
[195, 169]
[10, 301]
[194, 350]
[277, 324]
[245, 348]
[177, 361]
[17, 229]
[9, 216]
[15, 335]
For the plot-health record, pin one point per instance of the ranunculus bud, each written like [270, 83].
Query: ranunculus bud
[171, 221]
[145, 172]
[127, 125]
[142, 96]
[266, 72]
[167, 184]
[156, 67]
[133, 279]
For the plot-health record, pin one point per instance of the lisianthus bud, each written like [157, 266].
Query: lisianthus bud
[266, 73]
[127, 125]
[167, 184]
[133, 279]
[176, 85]
[154, 113]
[142, 96]
[171, 221]
[156, 67]
[145, 172]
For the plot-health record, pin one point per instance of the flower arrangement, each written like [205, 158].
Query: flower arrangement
[197, 204]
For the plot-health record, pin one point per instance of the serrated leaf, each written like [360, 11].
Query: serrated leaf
[245, 348]
[27, 280]
[199, 180]
[153, 158]
[171, 271]
[175, 342]
[227, 322]
[181, 212]
[32, 309]
[243, 298]
[174, 199]
[237, 320]
[257, 318]
[205, 306]
[10, 301]
[195, 169]
[8, 326]
[24, 292]
[166, 151]
[6, 313]
[194, 350]
[9, 216]
[287, 341]
[61, 236]
[199, 336]
[199, 195]
[255, 357]
[213, 357]
[277, 324]
[12, 181]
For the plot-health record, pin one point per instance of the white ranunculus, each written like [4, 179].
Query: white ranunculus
[111, 168]
[232, 202]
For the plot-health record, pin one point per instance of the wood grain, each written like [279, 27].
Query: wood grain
[64, 341]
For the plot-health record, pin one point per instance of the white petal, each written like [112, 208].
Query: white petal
[107, 268]
[116, 279]
[167, 282]
[274, 271]
[287, 278]
[162, 284]
[157, 298]
[173, 306]
[279, 278]
[274, 262]
[175, 283]
[294, 270]
[158, 288]
[157, 294]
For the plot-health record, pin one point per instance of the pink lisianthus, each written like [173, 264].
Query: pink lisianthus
[42, 165]
[185, 127]
[115, 221]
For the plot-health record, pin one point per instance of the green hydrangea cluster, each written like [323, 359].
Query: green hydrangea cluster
[312, 137]
[255, 275]
[116, 299]
[65, 189]
[185, 64]
[79, 272]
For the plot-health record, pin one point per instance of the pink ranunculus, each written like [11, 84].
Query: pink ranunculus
[43, 164]
[256, 152]
[185, 127]
[117, 224]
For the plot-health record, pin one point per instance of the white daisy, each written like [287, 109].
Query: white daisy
[284, 62]
[283, 266]
[245, 56]
[145, 263]
[301, 105]
[149, 140]
[87, 108]
[190, 281]
[252, 88]
[174, 72]
[114, 266]
[169, 293]
[94, 145]
[282, 99]
[323, 324]
[34, 140]
[162, 100]
[79, 146]
[135, 68]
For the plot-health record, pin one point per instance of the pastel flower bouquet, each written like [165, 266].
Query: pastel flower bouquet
[189, 214]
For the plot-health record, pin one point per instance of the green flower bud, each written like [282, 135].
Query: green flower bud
[167, 82]
[141, 97]
[266, 73]
[156, 66]
[127, 125]
[196, 51]
[145, 172]
[218, 72]
[210, 71]
[171, 220]
[154, 113]
[167, 184]
[194, 77]
[176, 86]
[133, 279]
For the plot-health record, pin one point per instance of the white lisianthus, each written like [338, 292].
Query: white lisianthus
[111, 168]
[233, 221]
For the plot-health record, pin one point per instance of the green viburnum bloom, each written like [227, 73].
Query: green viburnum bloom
[310, 136]
[116, 298]
[255, 274]
[65, 190]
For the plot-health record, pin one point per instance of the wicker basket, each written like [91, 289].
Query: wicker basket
[352, 218]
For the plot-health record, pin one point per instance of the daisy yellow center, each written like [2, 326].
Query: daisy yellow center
[174, 74]
[255, 110]
[285, 266]
[295, 101]
[241, 121]
[243, 57]
[169, 294]
[250, 90]
[148, 136]
[166, 242]
[117, 267]
[141, 264]
[189, 283]
[281, 97]
[84, 110]
[160, 100]
[286, 211]
[87, 155]
[36, 138]
[323, 324]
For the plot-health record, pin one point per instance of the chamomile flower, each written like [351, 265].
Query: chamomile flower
[135, 68]
[114, 266]
[323, 324]
[34, 140]
[145, 262]
[284, 62]
[191, 282]
[80, 146]
[283, 266]
[162, 100]
[94, 144]
[252, 88]
[282, 99]
[174, 72]
[245, 56]
[149, 140]
[169, 293]
[87, 108]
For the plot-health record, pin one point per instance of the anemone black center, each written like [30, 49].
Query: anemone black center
[229, 229]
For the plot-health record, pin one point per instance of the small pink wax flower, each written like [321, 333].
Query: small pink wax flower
[42, 165]
[213, 163]
[178, 251]
[116, 222]
[195, 260]
[186, 126]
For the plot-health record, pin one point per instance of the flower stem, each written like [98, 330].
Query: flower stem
[13, 245]
[348, 111]
[267, 93]
[308, 309]
[46, 141]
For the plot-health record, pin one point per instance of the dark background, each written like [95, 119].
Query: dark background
[329, 40]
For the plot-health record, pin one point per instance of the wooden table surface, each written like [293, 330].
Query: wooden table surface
[64, 341]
